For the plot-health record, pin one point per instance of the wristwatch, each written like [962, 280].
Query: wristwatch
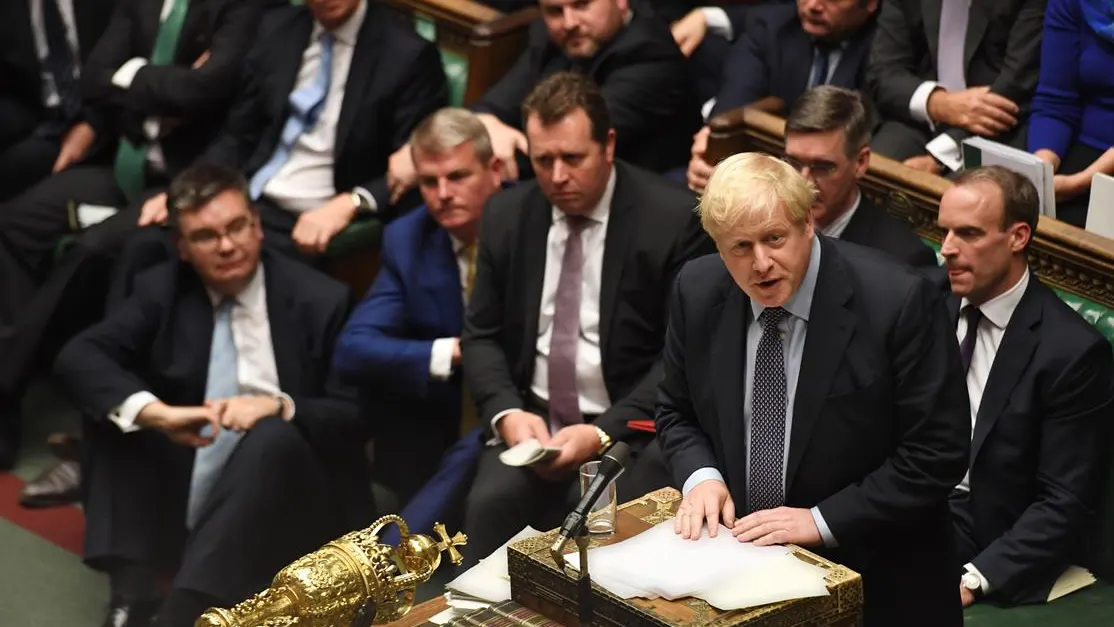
[361, 203]
[605, 441]
[971, 581]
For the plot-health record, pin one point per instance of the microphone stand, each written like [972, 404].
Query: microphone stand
[585, 602]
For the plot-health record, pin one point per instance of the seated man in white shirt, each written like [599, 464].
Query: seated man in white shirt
[938, 78]
[221, 445]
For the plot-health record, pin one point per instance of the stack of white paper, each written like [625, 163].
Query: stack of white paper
[489, 580]
[1100, 210]
[979, 151]
[726, 573]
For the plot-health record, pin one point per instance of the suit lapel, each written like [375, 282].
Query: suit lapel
[729, 349]
[798, 73]
[930, 13]
[830, 327]
[534, 244]
[284, 324]
[1018, 344]
[439, 276]
[620, 225]
[364, 59]
[84, 19]
[286, 78]
[149, 14]
[977, 21]
[859, 229]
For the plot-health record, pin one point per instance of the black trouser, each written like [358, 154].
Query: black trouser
[269, 507]
[25, 163]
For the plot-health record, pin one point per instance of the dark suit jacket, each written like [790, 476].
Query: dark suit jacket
[873, 227]
[159, 341]
[1002, 50]
[773, 57]
[191, 103]
[644, 77]
[881, 422]
[395, 81]
[416, 298]
[652, 231]
[1038, 450]
[21, 91]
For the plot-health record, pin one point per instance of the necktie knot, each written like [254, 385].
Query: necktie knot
[973, 315]
[771, 317]
[576, 223]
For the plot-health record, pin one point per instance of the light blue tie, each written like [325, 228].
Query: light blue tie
[223, 382]
[305, 108]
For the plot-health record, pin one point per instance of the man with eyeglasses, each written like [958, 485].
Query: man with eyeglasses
[218, 437]
[827, 137]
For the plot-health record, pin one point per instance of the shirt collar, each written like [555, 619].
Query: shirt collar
[602, 209]
[839, 225]
[800, 303]
[252, 293]
[348, 32]
[999, 310]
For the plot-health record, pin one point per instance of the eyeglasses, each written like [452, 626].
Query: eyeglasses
[818, 169]
[209, 239]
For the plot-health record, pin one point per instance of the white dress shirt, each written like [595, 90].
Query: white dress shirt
[996, 314]
[305, 182]
[38, 30]
[594, 398]
[255, 355]
[441, 355]
[123, 78]
[839, 225]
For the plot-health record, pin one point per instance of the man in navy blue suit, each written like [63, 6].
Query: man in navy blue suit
[401, 346]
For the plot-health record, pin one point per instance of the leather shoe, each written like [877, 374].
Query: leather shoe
[58, 485]
[132, 614]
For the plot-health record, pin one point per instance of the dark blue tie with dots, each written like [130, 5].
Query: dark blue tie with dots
[769, 399]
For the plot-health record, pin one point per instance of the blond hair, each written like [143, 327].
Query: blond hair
[749, 189]
[447, 128]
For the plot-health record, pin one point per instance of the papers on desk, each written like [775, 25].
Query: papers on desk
[84, 215]
[979, 151]
[726, 573]
[1073, 579]
[1100, 210]
[484, 584]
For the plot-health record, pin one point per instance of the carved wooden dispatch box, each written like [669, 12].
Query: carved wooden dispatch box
[537, 584]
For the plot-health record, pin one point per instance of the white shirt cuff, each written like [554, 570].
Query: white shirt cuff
[918, 104]
[126, 74]
[288, 408]
[700, 476]
[706, 110]
[441, 358]
[125, 413]
[822, 526]
[366, 195]
[718, 22]
[983, 583]
[496, 439]
[946, 151]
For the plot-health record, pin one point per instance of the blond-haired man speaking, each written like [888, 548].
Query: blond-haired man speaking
[813, 395]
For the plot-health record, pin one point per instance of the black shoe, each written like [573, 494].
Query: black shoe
[132, 614]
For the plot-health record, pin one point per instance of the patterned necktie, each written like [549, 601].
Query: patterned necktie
[950, 45]
[564, 398]
[468, 417]
[222, 382]
[130, 167]
[305, 108]
[60, 62]
[469, 252]
[973, 315]
[769, 401]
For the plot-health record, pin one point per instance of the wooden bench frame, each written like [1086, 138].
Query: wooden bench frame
[1066, 257]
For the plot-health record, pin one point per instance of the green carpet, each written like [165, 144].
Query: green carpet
[43, 585]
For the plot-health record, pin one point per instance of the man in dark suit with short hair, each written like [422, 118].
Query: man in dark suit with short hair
[218, 436]
[786, 50]
[148, 110]
[1041, 384]
[943, 70]
[46, 44]
[566, 319]
[827, 136]
[812, 395]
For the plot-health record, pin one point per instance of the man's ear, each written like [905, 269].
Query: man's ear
[862, 162]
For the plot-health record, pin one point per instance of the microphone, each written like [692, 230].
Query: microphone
[611, 466]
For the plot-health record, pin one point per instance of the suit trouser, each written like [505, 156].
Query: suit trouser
[900, 140]
[269, 507]
[25, 163]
